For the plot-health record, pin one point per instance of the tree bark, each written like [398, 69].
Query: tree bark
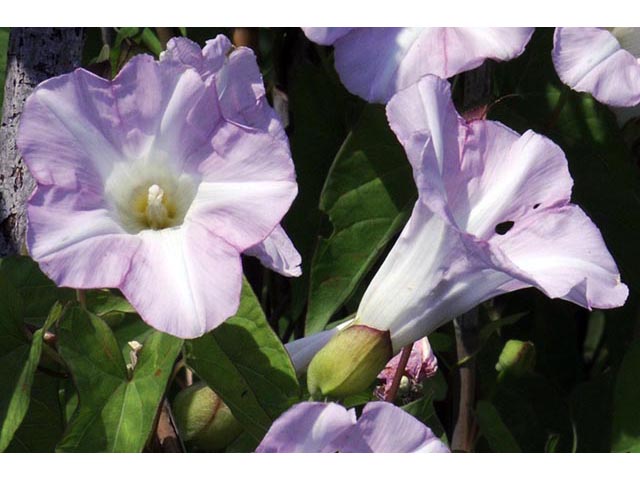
[34, 55]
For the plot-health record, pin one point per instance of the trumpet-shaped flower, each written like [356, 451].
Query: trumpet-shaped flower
[147, 183]
[243, 101]
[315, 427]
[374, 63]
[493, 216]
[604, 62]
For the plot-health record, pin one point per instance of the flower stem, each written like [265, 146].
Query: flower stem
[81, 296]
[395, 384]
[464, 432]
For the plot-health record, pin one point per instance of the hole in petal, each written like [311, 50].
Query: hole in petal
[504, 227]
[536, 206]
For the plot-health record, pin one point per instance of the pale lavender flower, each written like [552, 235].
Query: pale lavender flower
[604, 62]
[315, 427]
[374, 63]
[148, 183]
[493, 216]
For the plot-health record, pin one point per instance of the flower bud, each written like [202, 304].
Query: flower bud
[517, 358]
[349, 363]
[203, 418]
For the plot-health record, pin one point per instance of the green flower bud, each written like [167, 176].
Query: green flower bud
[349, 363]
[517, 358]
[203, 418]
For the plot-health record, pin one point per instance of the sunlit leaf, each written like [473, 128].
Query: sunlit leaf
[245, 363]
[368, 197]
[115, 413]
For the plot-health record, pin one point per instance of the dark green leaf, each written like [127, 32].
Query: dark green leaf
[532, 409]
[245, 363]
[424, 411]
[37, 291]
[104, 301]
[494, 429]
[319, 126]
[18, 362]
[43, 425]
[115, 413]
[591, 407]
[626, 399]
[368, 197]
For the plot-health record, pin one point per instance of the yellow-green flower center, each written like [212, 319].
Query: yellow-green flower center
[145, 196]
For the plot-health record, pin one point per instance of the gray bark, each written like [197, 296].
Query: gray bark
[34, 55]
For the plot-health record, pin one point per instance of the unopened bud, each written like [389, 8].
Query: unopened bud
[349, 363]
[517, 358]
[203, 418]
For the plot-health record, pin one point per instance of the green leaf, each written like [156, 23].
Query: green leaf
[150, 40]
[591, 407]
[18, 362]
[43, 425]
[319, 129]
[104, 301]
[494, 429]
[37, 291]
[626, 399]
[115, 413]
[424, 411]
[368, 196]
[245, 363]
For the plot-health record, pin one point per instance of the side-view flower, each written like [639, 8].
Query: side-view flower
[375, 63]
[156, 182]
[604, 62]
[493, 216]
[315, 427]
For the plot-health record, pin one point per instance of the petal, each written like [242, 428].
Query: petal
[184, 281]
[432, 274]
[388, 429]
[154, 102]
[247, 186]
[242, 94]
[564, 255]
[592, 60]
[429, 128]
[377, 62]
[304, 349]
[511, 177]
[92, 124]
[75, 241]
[478, 174]
[186, 52]
[308, 427]
[278, 253]
[239, 84]
[325, 35]
[74, 117]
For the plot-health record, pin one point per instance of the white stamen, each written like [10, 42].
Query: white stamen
[156, 212]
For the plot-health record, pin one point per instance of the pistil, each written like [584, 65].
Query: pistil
[156, 211]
